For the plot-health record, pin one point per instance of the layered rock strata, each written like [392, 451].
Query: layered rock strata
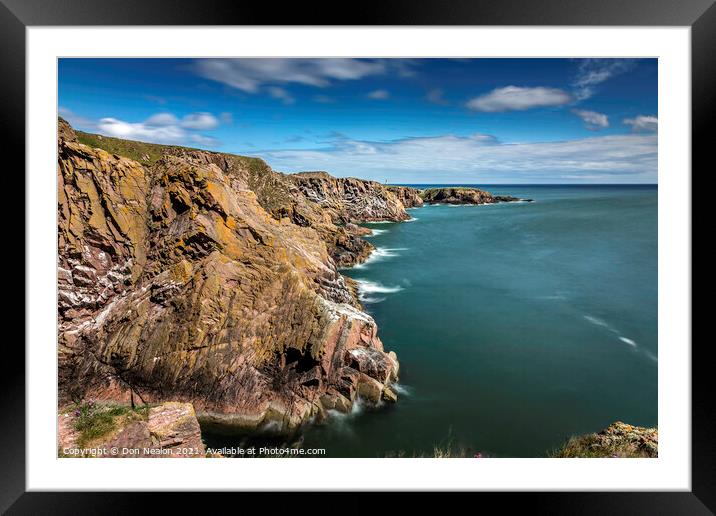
[208, 278]
[168, 430]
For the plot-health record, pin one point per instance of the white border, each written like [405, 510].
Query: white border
[671, 471]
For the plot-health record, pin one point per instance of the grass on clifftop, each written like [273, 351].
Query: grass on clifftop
[150, 153]
[145, 153]
[94, 421]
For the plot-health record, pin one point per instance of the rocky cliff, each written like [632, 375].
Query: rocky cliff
[462, 195]
[410, 197]
[114, 431]
[350, 200]
[202, 277]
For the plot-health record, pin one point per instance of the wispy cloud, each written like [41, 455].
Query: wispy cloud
[76, 120]
[643, 123]
[593, 72]
[379, 94]
[478, 157]
[281, 94]
[201, 121]
[515, 98]
[436, 96]
[204, 141]
[592, 120]
[249, 75]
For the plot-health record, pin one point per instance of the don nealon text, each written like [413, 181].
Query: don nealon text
[227, 451]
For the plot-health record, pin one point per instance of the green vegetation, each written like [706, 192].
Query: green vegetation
[445, 450]
[94, 421]
[145, 153]
[150, 153]
[593, 446]
[272, 193]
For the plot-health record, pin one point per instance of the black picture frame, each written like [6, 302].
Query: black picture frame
[700, 15]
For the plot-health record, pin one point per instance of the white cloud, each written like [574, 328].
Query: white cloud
[379, 94]
[164, 128]
[645, 123]
[281, 94]
[515, 98]
[194, 121]
[161, 119]
[204, 140]
[249, 75]
[592, 120]
[479, 158]
[200, 121]
[593, 72]
[226, 118]
[141, 131]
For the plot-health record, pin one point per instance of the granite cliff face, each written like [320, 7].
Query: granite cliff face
[463, 195]
[201, 277]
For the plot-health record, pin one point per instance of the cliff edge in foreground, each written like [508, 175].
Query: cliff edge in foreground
[618, 440]
[200, 277]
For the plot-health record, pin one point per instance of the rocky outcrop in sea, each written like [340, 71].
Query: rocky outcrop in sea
[464, 195]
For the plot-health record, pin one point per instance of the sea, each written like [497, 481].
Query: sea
[517, 325]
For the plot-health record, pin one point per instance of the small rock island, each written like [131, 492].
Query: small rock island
[464, 195]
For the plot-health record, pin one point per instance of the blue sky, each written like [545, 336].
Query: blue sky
[400, 120]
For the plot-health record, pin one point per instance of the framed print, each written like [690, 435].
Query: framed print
[436, 249]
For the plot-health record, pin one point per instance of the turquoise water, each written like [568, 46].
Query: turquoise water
[516, 325]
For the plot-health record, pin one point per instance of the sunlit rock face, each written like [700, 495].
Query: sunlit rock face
[212, 279]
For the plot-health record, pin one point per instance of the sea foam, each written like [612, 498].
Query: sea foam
[373, 287]
[380, 253]
[627, 341]
[604, 324]
[401, 389]
[376, 232]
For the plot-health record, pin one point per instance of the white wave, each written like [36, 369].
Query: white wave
[371, 300]
[411, 219]
[651, 356]
[556, 297]
[604, 324]
[403, 390]
[379, 254]
[376, 232]
[373, 287]
[599, 322]
[627, 341]
[271, 427]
